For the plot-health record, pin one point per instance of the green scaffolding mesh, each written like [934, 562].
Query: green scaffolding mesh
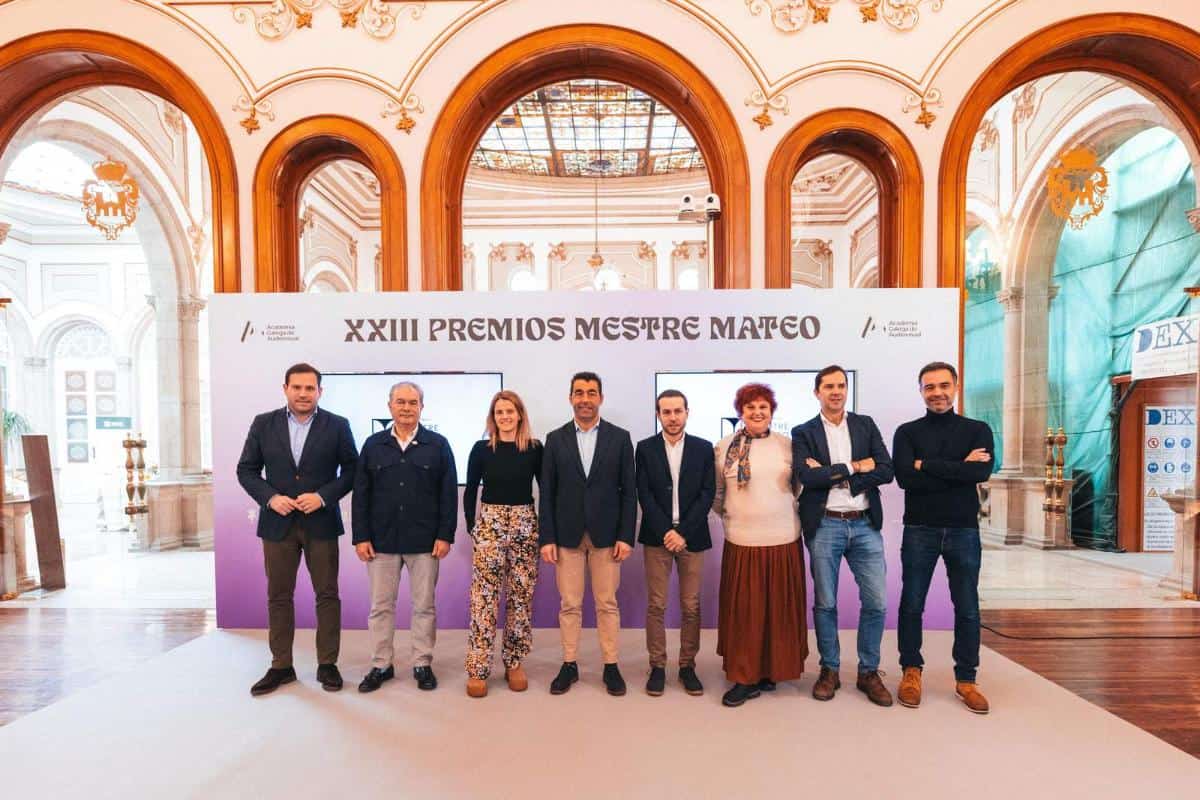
[1124, 268]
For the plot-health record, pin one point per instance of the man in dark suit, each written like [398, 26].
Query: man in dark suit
[676, 480]
[586, 522]
[840, 460]
[309, 458]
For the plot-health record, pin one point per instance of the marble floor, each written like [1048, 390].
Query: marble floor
[1022, 577]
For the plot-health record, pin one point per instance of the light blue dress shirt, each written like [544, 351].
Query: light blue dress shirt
[298, 433]
[587, 445]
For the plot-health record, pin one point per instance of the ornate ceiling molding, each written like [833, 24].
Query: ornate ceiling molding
[250, 122]
[376, 18]
[770, 87]
[777, 102]
[406, 123]
[988, 135]
[932, 97]
[791, 16]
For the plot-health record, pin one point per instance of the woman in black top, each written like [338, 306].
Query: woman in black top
[506, 541]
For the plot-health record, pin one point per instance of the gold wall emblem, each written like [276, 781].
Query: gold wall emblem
[1077, 185]
[110, 202]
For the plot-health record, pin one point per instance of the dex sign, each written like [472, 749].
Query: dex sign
[1167, 347]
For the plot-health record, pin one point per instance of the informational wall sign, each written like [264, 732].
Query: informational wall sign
[1167, 347]
[1169, 461]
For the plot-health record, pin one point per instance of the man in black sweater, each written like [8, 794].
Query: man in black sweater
[939, 460]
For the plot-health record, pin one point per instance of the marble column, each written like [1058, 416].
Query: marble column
[39, 395]
[1011, 300]
[189, 386]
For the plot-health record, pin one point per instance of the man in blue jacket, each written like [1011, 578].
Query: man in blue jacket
[405, 510]
[840, 460]
[308, 456]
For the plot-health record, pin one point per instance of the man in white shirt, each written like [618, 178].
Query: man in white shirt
[676, 481]
[840, 460]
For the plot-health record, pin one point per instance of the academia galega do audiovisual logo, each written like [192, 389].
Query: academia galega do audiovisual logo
[273, 332]
[892, 328]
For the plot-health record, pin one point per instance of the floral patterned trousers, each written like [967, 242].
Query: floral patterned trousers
[505, 558]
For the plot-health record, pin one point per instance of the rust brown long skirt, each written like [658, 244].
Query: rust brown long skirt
[762, 631]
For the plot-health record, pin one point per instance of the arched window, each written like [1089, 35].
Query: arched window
[843, 188]
[1091, 239]
[588, 53]
[578, 185]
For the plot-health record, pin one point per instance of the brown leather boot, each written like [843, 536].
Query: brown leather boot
[972, 698]
[909, 693]
[516, 678]
[870, 684]
[827, 684]
[476, 687]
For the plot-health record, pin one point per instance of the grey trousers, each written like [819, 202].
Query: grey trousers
[383, 573]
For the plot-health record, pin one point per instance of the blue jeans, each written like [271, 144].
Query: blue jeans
[862, 547]
[961, 550]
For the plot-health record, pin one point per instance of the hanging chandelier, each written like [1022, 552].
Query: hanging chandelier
[110, 202]
[595, 260]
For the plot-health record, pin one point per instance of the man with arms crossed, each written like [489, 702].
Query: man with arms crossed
[405, 509]
[840, 459]
[586, 522]
[309, 458]
[676, 483]
[940, 459]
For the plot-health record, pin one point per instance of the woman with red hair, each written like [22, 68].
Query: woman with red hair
[761, 628]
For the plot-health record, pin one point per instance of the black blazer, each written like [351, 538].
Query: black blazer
[603, 505]
[405, 499]
[326, 467]
[697, 487]
[808, 441]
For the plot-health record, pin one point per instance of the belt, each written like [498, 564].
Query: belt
[845, 514]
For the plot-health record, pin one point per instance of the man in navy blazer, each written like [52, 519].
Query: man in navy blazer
[840, 460]
[676, 480]
[308, 456]
[586, 524]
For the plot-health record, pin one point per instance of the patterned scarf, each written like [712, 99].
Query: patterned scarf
[739, 450]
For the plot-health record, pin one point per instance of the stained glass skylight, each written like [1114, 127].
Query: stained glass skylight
[584, 128]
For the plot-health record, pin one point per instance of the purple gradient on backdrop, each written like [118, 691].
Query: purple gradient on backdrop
[241, 582]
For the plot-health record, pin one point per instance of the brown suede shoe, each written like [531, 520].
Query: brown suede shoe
[476, 687]
[909, 693]
[827, 684]
[516, 678]
[870, 684]
[972, 698]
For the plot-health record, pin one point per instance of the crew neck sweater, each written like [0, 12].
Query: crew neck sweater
[762, 513]
[507, 475]
[942, 493]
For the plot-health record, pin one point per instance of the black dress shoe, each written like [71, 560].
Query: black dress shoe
[329, 677]
[656, 682]
[273, 680]
[425, 678]
[691, 684]
[375, 678]
[568, 673]
[740, 693]
[766, 685]
[613, 681]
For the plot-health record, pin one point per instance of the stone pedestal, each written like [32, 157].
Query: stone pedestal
[1183, 578]
[180, 515]
[14, 569]
[1016, 515]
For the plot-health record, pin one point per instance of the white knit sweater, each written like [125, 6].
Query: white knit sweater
[763, 512]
